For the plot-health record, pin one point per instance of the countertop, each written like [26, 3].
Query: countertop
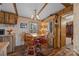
[5, 35]
[3, 45]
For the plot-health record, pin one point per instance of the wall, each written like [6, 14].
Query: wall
[19, 40]
[76, 26]
[17, 29]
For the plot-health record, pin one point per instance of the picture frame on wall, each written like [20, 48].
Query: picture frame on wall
[23, 25]
[33, 27]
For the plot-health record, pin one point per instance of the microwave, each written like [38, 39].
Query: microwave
[2, 31]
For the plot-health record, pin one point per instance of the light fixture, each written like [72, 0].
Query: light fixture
[68, 19]
[35, 16]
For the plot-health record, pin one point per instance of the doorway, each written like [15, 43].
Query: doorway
[69, 30]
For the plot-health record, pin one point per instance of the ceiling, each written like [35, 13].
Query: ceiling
[27, 9]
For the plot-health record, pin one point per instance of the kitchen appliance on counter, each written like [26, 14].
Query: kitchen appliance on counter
[2, 31]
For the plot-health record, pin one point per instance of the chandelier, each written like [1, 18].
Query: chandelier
[35, 16]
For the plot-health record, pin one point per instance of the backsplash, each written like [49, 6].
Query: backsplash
[7, 27]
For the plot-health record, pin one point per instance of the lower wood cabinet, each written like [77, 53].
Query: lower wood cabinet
[11, 40]
[3, 48]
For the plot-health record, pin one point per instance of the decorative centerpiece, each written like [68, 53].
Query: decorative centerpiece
[9, 31]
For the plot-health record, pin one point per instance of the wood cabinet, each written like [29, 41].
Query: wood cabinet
[11, 40]
[1, 17]
[8, 18]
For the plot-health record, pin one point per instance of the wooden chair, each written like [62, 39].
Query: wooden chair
[44, 46]
[31, 51]
[29, 42]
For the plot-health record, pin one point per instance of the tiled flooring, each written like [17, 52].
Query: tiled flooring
[21, 51]
[63, 52]
[66, 51]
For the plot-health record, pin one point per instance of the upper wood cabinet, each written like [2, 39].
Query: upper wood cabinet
[1, 17]
[8, 18]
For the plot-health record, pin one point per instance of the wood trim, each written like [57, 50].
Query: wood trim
[15, 8]
[65, 10]
[60, 31]
[66, 4]
[8, 12]
[42, 8]
[56, 33]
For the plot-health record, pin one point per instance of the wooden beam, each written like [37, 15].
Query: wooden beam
[66, 4]
[65, 10]
[14, 4]
[42, 8]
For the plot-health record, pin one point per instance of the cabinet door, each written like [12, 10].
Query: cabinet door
[1, 17]
[8, 39]
[12, 19]
[6, 18]
[13, 43]
[1, 39]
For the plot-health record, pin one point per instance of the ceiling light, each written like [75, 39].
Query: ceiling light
[35, 16]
